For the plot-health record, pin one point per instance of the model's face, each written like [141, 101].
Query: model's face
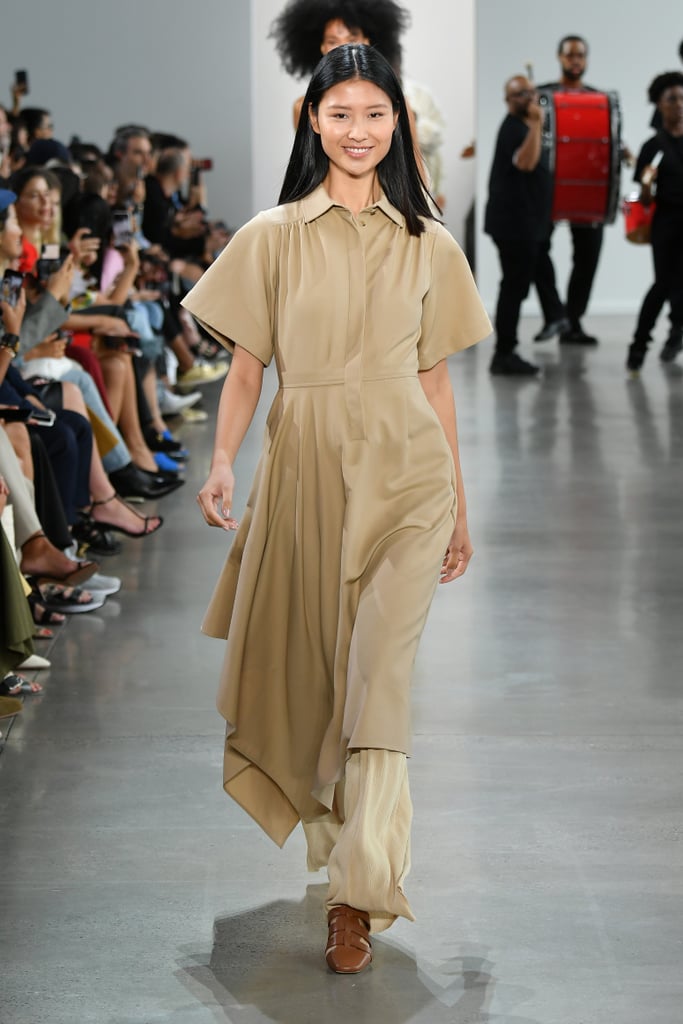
[10, 237]
[355, 122]
[573, 60]
[336, 33]
[670, 106]
[34, 202]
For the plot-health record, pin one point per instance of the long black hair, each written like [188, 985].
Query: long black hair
[298, 30]
[398, 172]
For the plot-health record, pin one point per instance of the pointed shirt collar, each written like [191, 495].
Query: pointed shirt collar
[318, 202]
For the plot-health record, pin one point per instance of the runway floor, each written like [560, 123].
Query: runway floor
[547, 776]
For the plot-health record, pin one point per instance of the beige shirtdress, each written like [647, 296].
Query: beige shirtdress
[326, 589]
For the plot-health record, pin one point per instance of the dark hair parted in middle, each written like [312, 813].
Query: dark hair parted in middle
[398, 172]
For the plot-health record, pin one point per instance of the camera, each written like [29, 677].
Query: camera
[10, 286]
[199, 165]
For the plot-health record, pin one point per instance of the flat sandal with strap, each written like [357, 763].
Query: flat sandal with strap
[348, 950]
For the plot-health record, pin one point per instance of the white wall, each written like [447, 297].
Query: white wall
[438, 51]
[177, 67]
[626, 52]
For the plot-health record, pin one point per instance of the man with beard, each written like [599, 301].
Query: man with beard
[572, 52]
[517, 217]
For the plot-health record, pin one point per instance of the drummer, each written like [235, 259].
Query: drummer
[572, 53]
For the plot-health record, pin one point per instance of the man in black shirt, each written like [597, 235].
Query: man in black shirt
[572, 53]
[517, 217]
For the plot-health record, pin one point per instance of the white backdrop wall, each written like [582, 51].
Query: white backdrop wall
[625, 54]
[438, 51]
[177, 67]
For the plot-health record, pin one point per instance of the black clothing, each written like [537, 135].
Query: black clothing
[517, 218]
[157, 220]
[670, 170]
[48, 502]
[518, 258]
[68, 443]
[519, 201]
[586, 245]
[666, 235]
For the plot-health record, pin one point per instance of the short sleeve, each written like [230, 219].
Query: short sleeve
[453, 316]
[235, 298]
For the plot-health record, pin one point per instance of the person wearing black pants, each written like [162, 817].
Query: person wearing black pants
[517, 217]
[586, 246]
[572, 53]
[666, 91]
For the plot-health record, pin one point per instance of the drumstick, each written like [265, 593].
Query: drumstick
[529, 71]
[657, 158]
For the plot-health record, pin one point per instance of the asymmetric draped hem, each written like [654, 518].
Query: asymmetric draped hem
[327, 586]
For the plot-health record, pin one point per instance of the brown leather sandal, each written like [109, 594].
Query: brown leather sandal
[349, 950]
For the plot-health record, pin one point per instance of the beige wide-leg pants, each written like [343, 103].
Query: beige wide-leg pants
[365, 840]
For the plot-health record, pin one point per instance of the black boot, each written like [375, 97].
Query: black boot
[636, 355]
[672, 345]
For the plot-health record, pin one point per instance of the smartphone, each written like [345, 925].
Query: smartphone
[51, 259]
[34, 416]
[10, 286]
[41, 417]
[21, 79]
[121, 228]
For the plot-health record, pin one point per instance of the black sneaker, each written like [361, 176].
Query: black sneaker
[636, 356]
[577, 336]
[552, 328]
[509, 364]
[672, 346]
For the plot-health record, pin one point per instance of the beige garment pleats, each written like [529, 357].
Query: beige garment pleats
[365, 840]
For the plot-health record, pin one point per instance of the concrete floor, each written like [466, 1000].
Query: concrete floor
[547, 776]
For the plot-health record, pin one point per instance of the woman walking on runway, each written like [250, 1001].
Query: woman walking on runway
[360, 295]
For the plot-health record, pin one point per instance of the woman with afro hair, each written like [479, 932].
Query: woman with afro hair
[660, 168]
[308, 29]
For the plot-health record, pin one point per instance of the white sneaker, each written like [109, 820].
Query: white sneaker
[172, 405]
[104, 585]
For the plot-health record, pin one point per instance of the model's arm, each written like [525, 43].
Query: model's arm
[436, 385]
[239, 398]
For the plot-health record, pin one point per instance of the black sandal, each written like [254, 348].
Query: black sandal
[42, 615]
[146, 531]
[94, 536]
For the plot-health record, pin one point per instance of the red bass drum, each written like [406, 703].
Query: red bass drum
[582, 150]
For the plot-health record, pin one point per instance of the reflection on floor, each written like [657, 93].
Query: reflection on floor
[547, 876]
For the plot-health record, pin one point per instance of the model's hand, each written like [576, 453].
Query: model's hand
[215, 498]
[457, 555]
